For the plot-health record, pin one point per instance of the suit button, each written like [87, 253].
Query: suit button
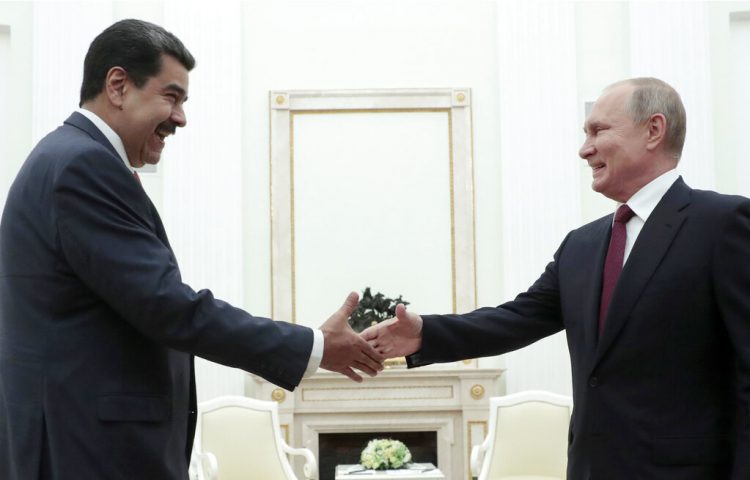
[593, 382]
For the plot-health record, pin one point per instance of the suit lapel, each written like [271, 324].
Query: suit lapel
[652, 244]
[146, 209]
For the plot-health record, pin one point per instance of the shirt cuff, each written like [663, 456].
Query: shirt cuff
[316, 355]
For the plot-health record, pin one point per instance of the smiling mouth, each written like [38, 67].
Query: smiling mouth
[165, 129]
[162, 134]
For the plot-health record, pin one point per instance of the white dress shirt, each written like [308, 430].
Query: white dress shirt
[113, 138]
[316, 355]
[642, 203]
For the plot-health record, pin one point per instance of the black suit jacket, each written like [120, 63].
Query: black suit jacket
[97, 330]
[663, 394]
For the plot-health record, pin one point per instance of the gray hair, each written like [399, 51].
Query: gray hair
[652, 96]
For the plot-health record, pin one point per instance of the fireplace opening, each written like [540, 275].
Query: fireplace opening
[345, 448]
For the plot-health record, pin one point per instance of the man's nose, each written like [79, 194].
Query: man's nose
[178, 116]
[587, 149]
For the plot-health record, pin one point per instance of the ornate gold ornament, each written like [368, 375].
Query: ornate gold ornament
[278, 395]
[477, 392]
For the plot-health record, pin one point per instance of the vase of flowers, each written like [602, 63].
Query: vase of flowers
[385, 454]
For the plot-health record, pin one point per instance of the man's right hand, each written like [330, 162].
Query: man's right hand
[398, 336]
[344, 349]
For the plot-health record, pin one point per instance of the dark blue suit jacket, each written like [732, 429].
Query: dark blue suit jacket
[657, 396]
[97, 330]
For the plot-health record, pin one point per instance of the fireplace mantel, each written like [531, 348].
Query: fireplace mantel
[450, 401]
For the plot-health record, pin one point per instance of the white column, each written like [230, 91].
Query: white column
[540, 166]
[670, 41]
[203, 167]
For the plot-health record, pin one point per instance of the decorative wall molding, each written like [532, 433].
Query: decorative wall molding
[286, 106]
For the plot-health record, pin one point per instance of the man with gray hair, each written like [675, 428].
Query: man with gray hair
[654, 301]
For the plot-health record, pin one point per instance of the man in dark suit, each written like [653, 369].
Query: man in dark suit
[661, 355]
[97, 330]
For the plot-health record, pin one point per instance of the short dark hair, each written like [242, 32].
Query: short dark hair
[136, 46]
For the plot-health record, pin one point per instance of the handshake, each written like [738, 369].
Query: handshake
[346, 350]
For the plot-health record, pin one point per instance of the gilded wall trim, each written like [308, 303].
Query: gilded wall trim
[285, 106]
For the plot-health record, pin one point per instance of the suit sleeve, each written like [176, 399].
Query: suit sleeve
[731, 273]
[110, 246]
[489, 331]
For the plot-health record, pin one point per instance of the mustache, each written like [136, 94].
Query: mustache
[168, 127]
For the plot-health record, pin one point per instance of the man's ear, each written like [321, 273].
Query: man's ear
[115, 84]
[657, 130]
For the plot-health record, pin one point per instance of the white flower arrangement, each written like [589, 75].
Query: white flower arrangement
[385, 454]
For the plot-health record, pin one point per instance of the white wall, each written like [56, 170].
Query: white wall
[602, 57]
[531, 66]
[726, 22]
[740, 94]
[369, 44]
[539, 186]
[57, 58]
[673, 44]
[203, 183]
[363, 44]
[15, 85]
[4, 99]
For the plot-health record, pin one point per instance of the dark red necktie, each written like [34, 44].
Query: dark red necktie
[136, 176]
[614, 260]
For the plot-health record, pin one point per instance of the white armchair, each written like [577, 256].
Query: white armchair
[240, 438]
[527, 438]
[203, 466]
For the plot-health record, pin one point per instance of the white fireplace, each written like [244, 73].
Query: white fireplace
[452, 402]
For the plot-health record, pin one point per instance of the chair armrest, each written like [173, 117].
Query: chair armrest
[203, 466]
[311, 465]
[477, 457]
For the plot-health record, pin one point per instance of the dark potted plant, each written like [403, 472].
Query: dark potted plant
[373, 309]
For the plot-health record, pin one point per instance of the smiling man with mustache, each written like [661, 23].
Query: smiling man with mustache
[97, 329]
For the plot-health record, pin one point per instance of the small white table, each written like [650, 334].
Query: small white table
[416, 471]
